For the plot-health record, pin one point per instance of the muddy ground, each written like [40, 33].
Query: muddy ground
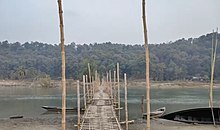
[46, 123]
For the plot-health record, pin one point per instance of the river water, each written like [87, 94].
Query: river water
[28, 101]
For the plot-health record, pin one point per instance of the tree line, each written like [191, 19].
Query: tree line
[183, 59]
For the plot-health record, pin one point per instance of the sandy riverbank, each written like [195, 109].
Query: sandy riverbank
[32, 84]
[38, 123]
[55, 124]
[161, 124]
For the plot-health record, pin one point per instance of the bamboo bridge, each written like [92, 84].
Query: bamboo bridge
[100, 114]
[101, 102]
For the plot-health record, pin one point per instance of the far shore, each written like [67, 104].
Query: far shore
[173, 84]
[131, 84]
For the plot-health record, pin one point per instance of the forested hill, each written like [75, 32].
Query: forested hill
[179, 60]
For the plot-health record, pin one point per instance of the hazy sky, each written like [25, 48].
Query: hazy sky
[89, 21]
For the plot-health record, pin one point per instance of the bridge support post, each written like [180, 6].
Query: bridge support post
[78, 104]
[114, 84]
[126, 102]
[87, 89]
[119, 101]
[84, 91]
[110, 83]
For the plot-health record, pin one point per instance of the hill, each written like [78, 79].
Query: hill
[178, 60]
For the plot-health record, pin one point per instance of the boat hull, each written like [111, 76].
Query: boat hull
[156, 114]
[59, 109]
[195, 115]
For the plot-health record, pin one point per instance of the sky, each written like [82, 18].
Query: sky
[117, 21]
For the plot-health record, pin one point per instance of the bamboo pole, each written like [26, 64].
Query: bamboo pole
[211, 82]
[142, 105]
[84, 91]
[147, 65]
[90, 81]
[96, 75]
[93, 87]
[212, 48]
[107, 82]
[92, 84]
[87, 89]
[213, 69]
[78, 104]
[126, 103]
[212, 77]
[110, 82]
[63, 82]
[119, 104]
[96, 78]
[90, 78]
[114, 84]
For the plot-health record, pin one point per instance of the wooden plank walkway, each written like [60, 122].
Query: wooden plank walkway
[100, 114]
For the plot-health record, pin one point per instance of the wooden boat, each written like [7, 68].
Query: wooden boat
[157, 113]
[195, 115]
[15, 117]
[59, 109]
[205, 115]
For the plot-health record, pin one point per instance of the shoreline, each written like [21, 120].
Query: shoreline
[172, 84]
[131, 84]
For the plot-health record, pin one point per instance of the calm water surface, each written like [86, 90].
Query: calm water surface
[28, 101]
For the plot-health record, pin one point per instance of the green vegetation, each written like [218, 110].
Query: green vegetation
[45, 82]
[179, 60]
